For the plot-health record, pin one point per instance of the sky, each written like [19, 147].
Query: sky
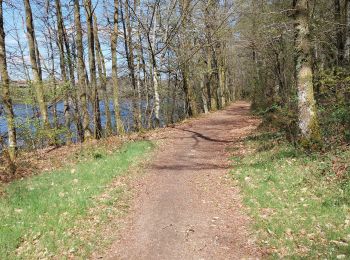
[14, 22]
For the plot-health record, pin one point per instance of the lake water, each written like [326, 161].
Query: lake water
[26, 118]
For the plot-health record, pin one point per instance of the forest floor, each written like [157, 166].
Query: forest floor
[186, 206]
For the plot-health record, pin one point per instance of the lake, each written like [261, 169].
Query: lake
[27, 117]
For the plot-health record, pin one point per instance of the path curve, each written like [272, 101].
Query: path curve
[186, 206]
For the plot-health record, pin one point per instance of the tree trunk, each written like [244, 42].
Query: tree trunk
[92, 69]
[308, 122]
[81, 70]
[52, 80]
[213, 52]
[129, 52]
[71, 58]
[347, 32]
[208, 80]
[203, 93]
[339, 33]
[185, 45]
[101, 67]
[63, 67]
[114, 41]
[222, 80]
[36, 70]
[6, 96]
[138, 67]
[145, 82]
[155, 73]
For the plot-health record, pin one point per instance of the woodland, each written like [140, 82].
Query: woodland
[169, 60]
[73, 71]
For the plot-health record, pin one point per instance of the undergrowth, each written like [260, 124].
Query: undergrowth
[300, 202]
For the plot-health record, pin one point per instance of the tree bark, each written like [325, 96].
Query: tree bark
[92, 69]
[339, 32]
[101, 68]
[114, 42]
[81, 70]
[6, 95]
[138, 66]
[185, 45]
[155, 73]
[213, 85]
[308, 122]
[347, 32]
[70, 59]
[36, 70]
[222, 79]
[60, 44]
[129, 52]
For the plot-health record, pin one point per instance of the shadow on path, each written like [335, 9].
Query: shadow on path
[205, 137]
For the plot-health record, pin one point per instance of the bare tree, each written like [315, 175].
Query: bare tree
[6, 95]
[114, 43]
[92, 68]
[81, 70]
[185, 46]
[101, 68]
[129, 52]
[35, 62]
[60, 43]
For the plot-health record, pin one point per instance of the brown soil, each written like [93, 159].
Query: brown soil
[186, 206]
[51, 158]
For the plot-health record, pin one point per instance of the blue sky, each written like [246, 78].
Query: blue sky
[15, 29]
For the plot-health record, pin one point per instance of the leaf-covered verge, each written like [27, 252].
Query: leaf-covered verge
[54, 214]
[299, 203]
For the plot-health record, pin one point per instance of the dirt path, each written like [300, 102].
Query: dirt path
[186, 207]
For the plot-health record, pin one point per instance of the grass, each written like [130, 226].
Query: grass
[40, 215]
[300, 203]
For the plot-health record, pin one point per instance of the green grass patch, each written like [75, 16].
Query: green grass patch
[300, 203]
[37, 213]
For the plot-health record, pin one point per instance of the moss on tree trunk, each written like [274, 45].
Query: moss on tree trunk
[308, 122]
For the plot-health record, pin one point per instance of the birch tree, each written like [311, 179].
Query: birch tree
[155, 72]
